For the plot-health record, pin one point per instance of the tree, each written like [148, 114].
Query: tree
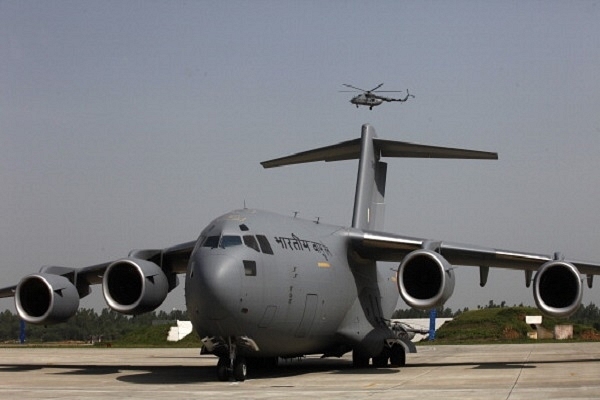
[9, 326]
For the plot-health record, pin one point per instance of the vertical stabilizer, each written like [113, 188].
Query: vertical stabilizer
[369, 204]
[370, 183]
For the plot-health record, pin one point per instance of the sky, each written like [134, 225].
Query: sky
[133, 124]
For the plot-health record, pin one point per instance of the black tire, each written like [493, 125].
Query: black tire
[240, 369]
[359, 360]
[381, 361]
[223, 369]
[398, 356]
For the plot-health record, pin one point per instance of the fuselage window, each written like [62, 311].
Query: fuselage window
[249, 267]
[251, 242]
[230, 241]
[265, 246]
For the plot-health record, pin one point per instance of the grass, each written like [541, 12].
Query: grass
[487, 325]
[501, 325]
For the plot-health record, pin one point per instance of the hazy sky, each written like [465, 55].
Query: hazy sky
[132, 124]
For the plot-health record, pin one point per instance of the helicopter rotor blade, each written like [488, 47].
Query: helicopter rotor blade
[376, 87]
[354, 87]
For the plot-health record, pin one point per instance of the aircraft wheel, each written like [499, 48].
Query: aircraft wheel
[398, 356]
[359, 360]
[223, 369]
[381, 361]
[240, 369]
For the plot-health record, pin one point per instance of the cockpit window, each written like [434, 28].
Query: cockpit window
[264, 244]
[212, 242]
[222, 241]
[230, 241]
[251, 242]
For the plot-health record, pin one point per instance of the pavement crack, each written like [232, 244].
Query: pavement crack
[519, 375]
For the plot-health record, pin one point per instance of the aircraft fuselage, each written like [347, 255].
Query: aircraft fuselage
[366, 100]
[287, 285]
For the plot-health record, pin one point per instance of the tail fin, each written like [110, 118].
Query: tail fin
[370, 183]
[369, 206]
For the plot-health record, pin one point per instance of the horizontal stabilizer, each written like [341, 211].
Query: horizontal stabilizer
[391, 148]
[350, 150]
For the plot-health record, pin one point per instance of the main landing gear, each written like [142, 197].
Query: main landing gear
[395, 355]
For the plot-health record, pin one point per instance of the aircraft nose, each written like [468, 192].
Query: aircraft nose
[213, 286]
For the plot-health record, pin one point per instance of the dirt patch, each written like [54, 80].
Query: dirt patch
[510, 333]
[589, 335]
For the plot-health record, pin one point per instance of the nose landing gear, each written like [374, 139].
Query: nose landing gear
[233, 366]
[236, 369]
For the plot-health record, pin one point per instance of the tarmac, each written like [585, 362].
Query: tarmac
[499, 371]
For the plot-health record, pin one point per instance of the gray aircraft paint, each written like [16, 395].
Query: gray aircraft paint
[301, 294]
[259, 284]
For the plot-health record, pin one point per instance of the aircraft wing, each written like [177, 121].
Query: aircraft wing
[8, 291]
[382, 246]
[172, 260]
[426, 278]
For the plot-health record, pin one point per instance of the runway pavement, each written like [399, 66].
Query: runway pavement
[523, 371]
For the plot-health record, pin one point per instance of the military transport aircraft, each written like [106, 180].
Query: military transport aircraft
[259, 285]
[370, 98]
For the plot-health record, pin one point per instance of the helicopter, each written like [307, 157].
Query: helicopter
[370, 99]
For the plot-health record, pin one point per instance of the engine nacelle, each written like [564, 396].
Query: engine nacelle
[133, 286]
[46, 299]
[558, 288]
[425, 279]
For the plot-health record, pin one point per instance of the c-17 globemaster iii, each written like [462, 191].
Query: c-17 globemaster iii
[260, 286]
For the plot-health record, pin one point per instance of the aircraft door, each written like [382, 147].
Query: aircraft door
[252, 295]
[308, 317]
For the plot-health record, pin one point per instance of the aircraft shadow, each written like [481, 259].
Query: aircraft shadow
[503, 364]
[173, 374]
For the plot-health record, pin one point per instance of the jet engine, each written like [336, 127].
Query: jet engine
[557, 288]
[133, 286]
[425, 279]
[46, 299]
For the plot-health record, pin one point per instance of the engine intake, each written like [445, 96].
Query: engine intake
[46, 299]
[558, 288]
[133, 286]
[425, 279]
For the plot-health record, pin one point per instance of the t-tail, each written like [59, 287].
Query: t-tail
[369, 206]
